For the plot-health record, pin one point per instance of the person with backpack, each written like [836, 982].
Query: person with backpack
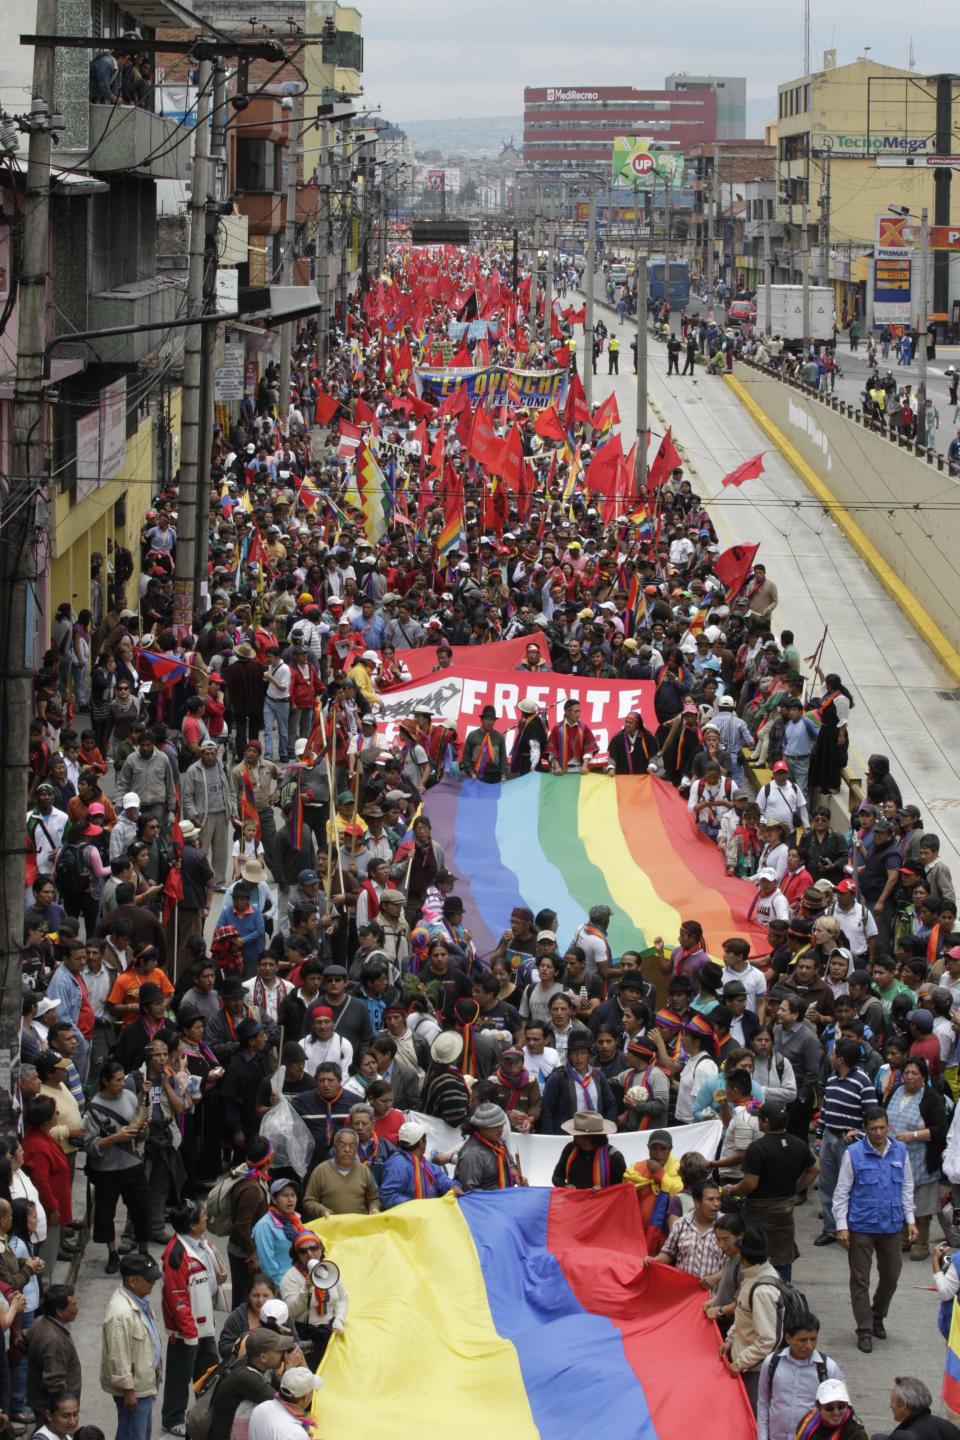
[790, 1378]
[80, 872]
[193, 1278]
[758, 1316]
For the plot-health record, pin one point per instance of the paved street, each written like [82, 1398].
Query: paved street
[904, 706]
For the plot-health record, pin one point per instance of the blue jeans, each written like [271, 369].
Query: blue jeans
[137, 1423]
[832, 1151]
[18, 1377]
[279, 711]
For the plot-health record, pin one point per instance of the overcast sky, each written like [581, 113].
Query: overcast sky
[426, 59]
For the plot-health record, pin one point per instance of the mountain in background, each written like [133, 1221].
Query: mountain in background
[484, 135]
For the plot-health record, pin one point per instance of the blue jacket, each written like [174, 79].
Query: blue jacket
[397, 1183]
[273, 1248]
[876, 1205]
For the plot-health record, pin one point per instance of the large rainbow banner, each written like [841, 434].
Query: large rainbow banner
[522, 1314]
[572, 841]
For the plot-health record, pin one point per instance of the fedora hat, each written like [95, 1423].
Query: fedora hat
[588, 1122]
[253, 870]
[447, 1048]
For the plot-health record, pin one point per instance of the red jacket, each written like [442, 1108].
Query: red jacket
[47, 1167]
[303, 688]
[178, 1266]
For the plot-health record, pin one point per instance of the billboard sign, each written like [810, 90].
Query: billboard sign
[859, 145]
[641, 163]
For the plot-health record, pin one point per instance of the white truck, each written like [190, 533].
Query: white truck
[786, 312]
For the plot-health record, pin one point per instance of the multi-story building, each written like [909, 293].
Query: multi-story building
[112, 418]
[731, 93]
[734, 182]
[568, 128]
[832, 125]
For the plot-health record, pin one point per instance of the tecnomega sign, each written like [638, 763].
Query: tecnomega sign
[841, 144]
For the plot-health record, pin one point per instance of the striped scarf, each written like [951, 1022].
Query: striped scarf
[468, 1057]
[260, 995]
[601, 1166]
[514, 1085]
[812, 1421]
[504, 1173]
[486, 757]
[248, 805]
[583, 1082]
[423, 1178]
[570, 748]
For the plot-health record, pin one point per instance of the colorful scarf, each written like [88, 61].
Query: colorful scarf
[504, 1174]
[513, 1084]
[811, 1422]
[328, 1120]
[601, 1166]
[570, 749]
[825, 703]
[486, 757]
[261, 1168]
[668, 1021]
[248, 805]
[367, 1153]
[583, 1081]
[291, 1225]
[424, 1182]
[468, 1056]
[310, 1426]
[260, 995]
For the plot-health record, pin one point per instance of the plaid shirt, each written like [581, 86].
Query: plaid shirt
[692, 1251]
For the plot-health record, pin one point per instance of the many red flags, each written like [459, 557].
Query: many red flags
[664, 462]
[403, 364]
[733, 566]
[576, 411]
[548, 424]
[462, 360]
[604, 468]
[509, 463]
[327, 407]
[749, 470]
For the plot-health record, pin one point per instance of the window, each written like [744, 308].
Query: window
[259, 166]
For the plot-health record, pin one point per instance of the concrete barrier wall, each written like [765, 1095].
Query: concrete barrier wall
[907, 508]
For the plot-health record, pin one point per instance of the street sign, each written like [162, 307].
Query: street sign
[918, 162]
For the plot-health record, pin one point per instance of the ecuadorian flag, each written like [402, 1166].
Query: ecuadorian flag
[522, 1314]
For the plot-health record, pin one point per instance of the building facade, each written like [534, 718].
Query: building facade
[574, 129]
[731, 93]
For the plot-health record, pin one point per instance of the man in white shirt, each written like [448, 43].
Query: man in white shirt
[771, 903]
[856, 922]
[780, 799]
[539, 1059]
[736, 966]
[45, 827]
[266, 990]
[276, 708]
[279, 1419]
[324, 1044]
[710, 799]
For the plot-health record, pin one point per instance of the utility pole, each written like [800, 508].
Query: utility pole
[191, 441]
[588, 328]
[216, 169]
[922, 321]
[668, 208]
[767, 273]
[548, 285]
[21, 519]
[535, 278]
[805, 261]
[640, 285]
[289, 244]
[825, 214]
[711, 194]
[942, 177]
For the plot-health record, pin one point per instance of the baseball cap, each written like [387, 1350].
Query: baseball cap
[767, 872]
[411, 1132]
[262, 1341]
[781, 767]
[136, 1263]
[846, 887]
[131, 801]
[546, 935]
[300, 1381]
[833, 1392]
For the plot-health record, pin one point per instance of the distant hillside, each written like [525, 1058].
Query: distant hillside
[482, 135]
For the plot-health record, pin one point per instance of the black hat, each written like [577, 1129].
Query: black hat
[680, 984]
[334, 972]
[149, 993]
[136, 1263]
[775, 1114]
[247, 1029]
[233, 988]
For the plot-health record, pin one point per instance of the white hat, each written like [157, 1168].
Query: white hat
[299, 747]
[46, 1005]
[447, 1047]
[411, 1132]
[726, 702]
[188, 830]
[527, 707]
[131, 801]
[833, 1392]
[209, 744]
[371, 656]
[276, 1310]
[300, 1381]
[464, 566]
[767, 873]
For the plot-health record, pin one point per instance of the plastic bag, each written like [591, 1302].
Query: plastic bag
[291, 1139]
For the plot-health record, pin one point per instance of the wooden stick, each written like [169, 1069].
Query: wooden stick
[356, 811]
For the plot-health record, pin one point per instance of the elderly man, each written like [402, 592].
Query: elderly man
[910, 1404]
[372, 1149]
[872, 1202]
[131, 1352]
[210, 802]
[342, 1185]
[484, 1162]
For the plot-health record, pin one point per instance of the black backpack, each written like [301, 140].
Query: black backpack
[200, 1417]
[792, 1307]
[70, 874]
[821, 1367]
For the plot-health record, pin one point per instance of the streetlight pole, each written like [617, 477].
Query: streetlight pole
[289, 242]
[922, 324]
[589, 338]
[805, 261]
[640, 284]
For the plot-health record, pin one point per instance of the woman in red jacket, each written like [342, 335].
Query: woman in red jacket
[46, 1164]
[193, 1279]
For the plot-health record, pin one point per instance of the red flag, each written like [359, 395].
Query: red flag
[462, 360]
[327, 407]
[548, 424]
[606, 410]
[509, 462]
[665, 461]
[403, 364]
[257, 554]
[362, 413]
[495, 508]
[576, 411]
[560, 359]
[604, 468]
[173, 885]
[482, 354]
[733, 566]
[485, 446]
[576, 317]
[749, 470]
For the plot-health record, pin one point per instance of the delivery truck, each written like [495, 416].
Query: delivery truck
[786, 312]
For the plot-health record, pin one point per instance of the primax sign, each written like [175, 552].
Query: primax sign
[573, 95]
[842, 146]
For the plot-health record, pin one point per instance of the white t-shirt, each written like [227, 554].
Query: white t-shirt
[337, 1050]
[696, 1072]
[771, 907]
[270, 1421]
[248, 849]
[752, 980]
[278, 682]
[541, 1067]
